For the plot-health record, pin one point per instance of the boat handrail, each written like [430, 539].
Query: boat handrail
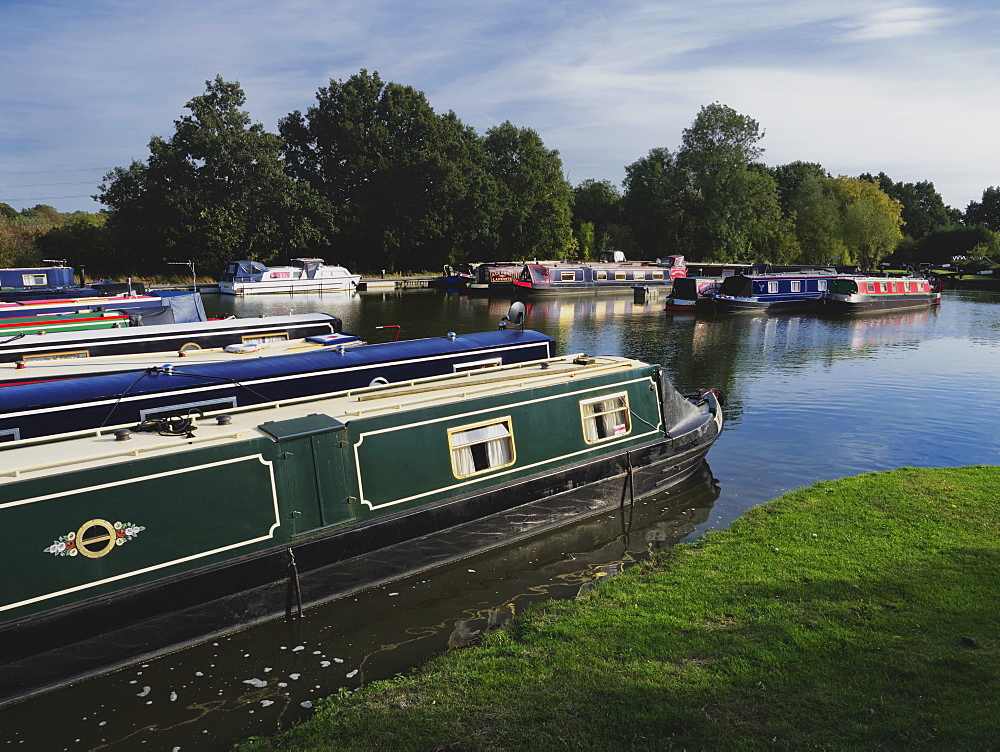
[486, 385]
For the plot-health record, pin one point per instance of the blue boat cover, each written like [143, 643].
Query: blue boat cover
[256, 380]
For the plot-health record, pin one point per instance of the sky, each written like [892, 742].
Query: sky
[902, 87]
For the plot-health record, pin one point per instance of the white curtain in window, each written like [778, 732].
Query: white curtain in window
[496, 440]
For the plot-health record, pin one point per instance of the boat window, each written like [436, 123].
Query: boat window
[883, 287]
[261, 339]
[567, 276]
[68, 355]
[602, 275]
[639, 275]
[821, 285]
[621, 275]
[34, 280]
[657, 275]
[605, 417]
[870, 286]
[772, 286]
[481, 447]
[10, 434]
[188, 408]
[477, 365]
[906, 287]
[796, 286]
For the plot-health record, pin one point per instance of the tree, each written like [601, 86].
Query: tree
[870, 221]
[596, 204]
[791, 177]
[985, 212]
[924, 210]
[732, 209]
[654, 203]
[83, 241]
[814, 209]
[215, 191]
[406, 188]
[533, 194]
[942, 246]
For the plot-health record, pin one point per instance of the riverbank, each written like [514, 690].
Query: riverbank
[859, 613]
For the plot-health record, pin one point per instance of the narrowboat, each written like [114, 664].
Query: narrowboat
[596, 277]
[303, 275]
[45, 324]
[54, 403]
[454, 279]
[142, 334]
[38, 370]
[497, 277]
[690, 294]
[134, 542]
[780, 291]
[37, 277]
[71, 301]
[862, 294]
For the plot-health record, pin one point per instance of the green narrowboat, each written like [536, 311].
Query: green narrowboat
[130, 542]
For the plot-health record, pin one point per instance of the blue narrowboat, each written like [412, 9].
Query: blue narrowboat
[56, 405]
[781, 291]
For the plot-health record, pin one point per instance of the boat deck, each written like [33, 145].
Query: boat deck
[42, 457]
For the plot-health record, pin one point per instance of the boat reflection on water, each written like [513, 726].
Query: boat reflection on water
[556, 311]
[265, 678]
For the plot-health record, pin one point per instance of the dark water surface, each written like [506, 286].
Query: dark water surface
[810, 398]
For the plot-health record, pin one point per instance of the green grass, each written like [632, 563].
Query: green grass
[832, 618]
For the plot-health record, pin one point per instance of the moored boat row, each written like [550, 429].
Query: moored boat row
[815, 290]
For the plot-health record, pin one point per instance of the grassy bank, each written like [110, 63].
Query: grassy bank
[860, 613]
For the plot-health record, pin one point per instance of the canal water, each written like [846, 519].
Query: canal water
[809, 398]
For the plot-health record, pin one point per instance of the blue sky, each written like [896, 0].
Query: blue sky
[908, 88]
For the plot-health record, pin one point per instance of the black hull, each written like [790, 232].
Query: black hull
[53, 649]
[755, 306]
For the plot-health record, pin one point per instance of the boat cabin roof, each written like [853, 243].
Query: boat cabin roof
[34, 458]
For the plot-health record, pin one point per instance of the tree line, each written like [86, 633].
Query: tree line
[372, 177]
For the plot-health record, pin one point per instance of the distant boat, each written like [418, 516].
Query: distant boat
[454, 278]
[861, 294]
[596, 277]
[690, 294]
[36, 278]
[304, 275]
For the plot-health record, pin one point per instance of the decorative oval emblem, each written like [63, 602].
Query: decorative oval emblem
[94, 539]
